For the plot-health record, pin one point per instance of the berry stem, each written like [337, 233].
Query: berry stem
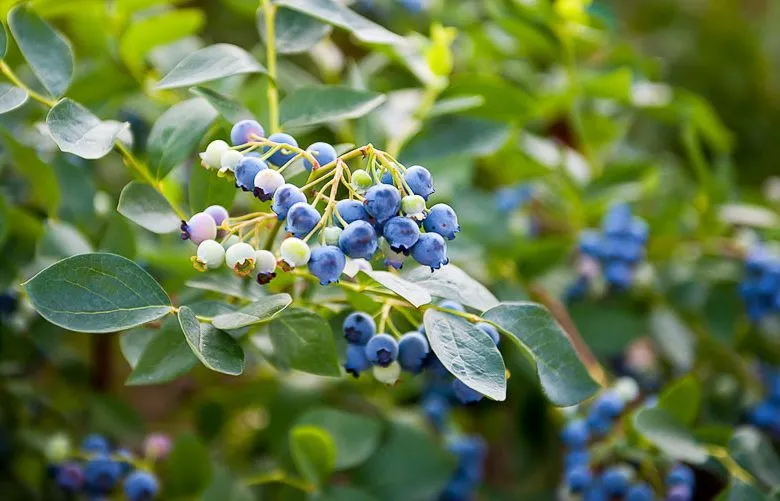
[8, 72]
[279, 476]
[269, 241]
[331, 200]
[269, 16]
[728, 462]
[383, 317]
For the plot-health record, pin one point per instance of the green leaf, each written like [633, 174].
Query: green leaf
[562, 375]
[176, 134]
[4, 223]
[315, 105]
[187, 467]
[671, 437]
[344, 493]
[215, 348]
[754, 452]
[164, 358]
[295, 32]
[211, 63]
[47, 52]
[450, 136]
[225, 486]
[355, 437]
[118, 238]
[409, 465]
[467, 352]
[61, 240]
[450, 282]
[740, 491]
[227, 283]
[149, 32]
[143, 205]
[230, 109]
[11, 98]
[331, 12]
[682, 399]
[76, 130]
[413, 293]
[457, 104]
[3, 41]
[206, 188]
[38, 175]
[674, 338]
[97, 293]
[133, 343]
[304, 341]
[259, 311]
[313, 452]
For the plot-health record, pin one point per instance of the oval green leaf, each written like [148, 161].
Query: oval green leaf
[259, 311]
[230, 109]
[97, 293]
[11, 98]
[295, 32]
[76, 130]
[304, 341]
[162, 359]
[47, 52]
[562, 375]
[413, 293]
[3, 41]
[211, 63]
[215, 348]
[671, 437]
[754, 452]
[315, 105]
[355, 437]
[313, 452]
[143, 205]
[450, 282]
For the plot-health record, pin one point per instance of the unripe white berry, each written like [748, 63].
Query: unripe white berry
[212, 157]
[389, 374]
[229, 160]
[211, 254]
[295, 252]
[413, 205]
[332, 234]
[265, 261]
[240, 258]
[627, 389]
[267, 181]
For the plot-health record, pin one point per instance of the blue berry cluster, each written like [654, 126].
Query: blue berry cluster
[760, 288]
[616, 250]
[766, 414]
[385, 206]
[470, 452]
[99, 471]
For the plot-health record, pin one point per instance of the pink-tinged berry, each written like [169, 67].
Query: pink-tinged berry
[199, 228]
[218, 213]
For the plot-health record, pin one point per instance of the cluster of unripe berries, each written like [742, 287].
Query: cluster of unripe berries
[613, 252]
[597, 479]
[766, 414]
[470, 452]
[386, 208]
[760, 288]
[96, 470]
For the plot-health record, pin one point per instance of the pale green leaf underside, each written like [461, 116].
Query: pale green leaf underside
[76, 130]
[211, 63]
[259, 311]
[11, 98]
[413, 293]
[141, 204]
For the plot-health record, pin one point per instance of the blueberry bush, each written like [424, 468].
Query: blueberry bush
[374, 250]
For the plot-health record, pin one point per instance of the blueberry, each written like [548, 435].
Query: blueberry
[327, 263]
[401, 234]
[267, 181]
[361, 181]
[640, 492]
[302, 218]
[680, 474]
[247, 170]
[442, 220]
[350, 211]
[413, 349]
[240, 258]
[591, 244]
[578, 478]
[679, 493]
[616, 480]
[419, 180]
[265, 265]
[323, 153]
[383, 202]
[387, 178]
[575, 434]
[618, 220]
[490, 330]
[639, 230]
[282, 155]
[210, 255]
[294, 252]
[608, 404]
[95, 444]
[359, 328]
[452, 305]
[618, 274]
[200, 227]
[101, 474]
[356, 361]
[217, 213]
[576, 457]
[358, 240]
[242, 132]
[436, 408]
[70, 477]
[141, 486]
[213, 155]
[382, 350]
[392, 258]
[125, 460]
[430, 250]
[465, 394]
[598, 424]
[285, 197]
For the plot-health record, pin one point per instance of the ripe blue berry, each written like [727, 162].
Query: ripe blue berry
[490, 330]
[242, 132]
[218, 213]
[387, 177]
[383, 202]
[247, 170]
[618, 274]
[419, 180]
[401, 234]
[95, 443]
[141, 486]
[575, 434]
[70, 477]
[452, 305]
[358, 240]
[285, 197]
[680, 474]
[359, 328]
[301, 219]
[200, 227]
[576, 457]
[267, 181]
[322, 152]
[382, 350]
[616, 480]
[413, 349]
[436, 408]
[356, 361]
[430, 250]
[608, 404]
[578, 478]
[640, 492]
[282, 155]
[617, 220]
[464, 394]
[101, 474]
[350, 211]
[442, 220]
[327, 263]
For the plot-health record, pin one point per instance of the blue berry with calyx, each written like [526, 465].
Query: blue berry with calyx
[387, 178]
[640, 492]
[401, 234]
[358, 240]
[609, 404]
[616, 480]
[452, 305]
[327, 263]
[356, 361]
[442, 220]
[247, 170]
[618, 220]
[282, 155]
[350, 211]
[413, 349]
[430, 250]
[382, 350]
[464, 393]
[470, 452]
[101, 474]
[285, 197]
[383, 201]
[358, 328]
[141, 486]
[576, 434]
[243, 132]
[323, 153]
[301, 219]
[579, 478]
[490, 330]
[94, 444]
[576, 457]
[680, 474]
[419, 180]
[70, 477]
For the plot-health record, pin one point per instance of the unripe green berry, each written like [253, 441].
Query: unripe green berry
[295, 252]
[332, 234]
[389, 374]
[229, 160]
[240, 258]
[210, 255]
[413, 205]
[212, 157]
[361, 181]
[57, 448]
